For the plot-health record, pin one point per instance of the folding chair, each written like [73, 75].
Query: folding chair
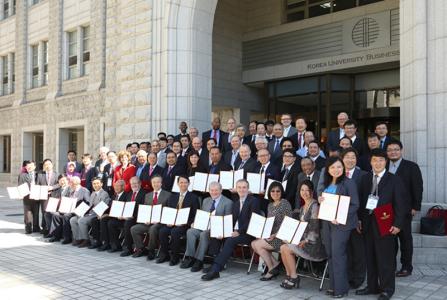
[243, 260]
[313, 274]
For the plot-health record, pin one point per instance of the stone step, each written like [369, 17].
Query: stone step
[429, 256]
[429, 241]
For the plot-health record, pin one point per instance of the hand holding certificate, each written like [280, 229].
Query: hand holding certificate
[122, 209]
[38, 192]
[260, 227]
[334, 208]
[291, 230]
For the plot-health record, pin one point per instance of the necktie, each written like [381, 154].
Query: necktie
[308, 177]
[286, 173]
[347, 174]
[276, 145]
[155, 199]
[375, 186]
[262, 170]
[180, 201]
[133, 196]
[151, 170]
[212, 169]
[299, 139]
[381, 144]
[241, 165]
[214, 134]
[242, 205]
[169, 170]
[49, 178]
[213, 206]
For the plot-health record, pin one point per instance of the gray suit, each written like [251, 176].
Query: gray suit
[138, 230]
[224, 207]
[79, 225]
[291, 132]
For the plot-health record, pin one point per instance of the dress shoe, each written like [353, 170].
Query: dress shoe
[43, 232]
[77, 242]
[125, 253]
[197, 266]
[384, 296]
[210, 276]
[114, 249]
[403, 273]
[84, 244]
[150, 255]
[52, 240]
[36, 229]
[366, 291]
[163, 258]
[206, 270]
[174, 261]
[104, 247]
[138, 253]
[94, 245]
[66, 241]
[329, 293]
[28, 229]
[187, 263]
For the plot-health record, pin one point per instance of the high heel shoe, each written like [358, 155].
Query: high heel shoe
[290, 283]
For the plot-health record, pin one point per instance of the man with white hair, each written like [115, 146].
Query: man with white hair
[260, 143]
[335, 135]
[193, 132]
[102, 160]
[218, 205]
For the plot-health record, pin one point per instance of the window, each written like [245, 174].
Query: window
[34, 66]
[13, 71]
[5, 154]
[33, 2]
[5, 9]
[5, 75]
[296, 10]
[45, 62]
[72, 55]
[85, 50]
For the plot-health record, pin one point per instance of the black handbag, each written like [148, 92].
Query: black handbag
[433, 224]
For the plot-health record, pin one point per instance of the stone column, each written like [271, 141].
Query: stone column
[56, 66]
[11, 7]
[1, 76]
[423, 91]
[21, 54]
[97, 45]
[80, 43]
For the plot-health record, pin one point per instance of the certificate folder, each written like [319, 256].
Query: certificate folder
[149, 214]
[172, 216]
[52, 205]
[82, 209]
[67, 205]
[385, 217]
[202, 181]
[100, 208]
[228, 179]
[18, 192]
[254, 181]
[202, 220]
[291, 230]
[334, 207]
[175, 187]
[260, 227]
[122, 209]
[221, 226]
[38, 192]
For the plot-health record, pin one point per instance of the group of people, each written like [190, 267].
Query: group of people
[372, 173]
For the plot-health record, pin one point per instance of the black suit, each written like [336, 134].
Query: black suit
[359, 145]
[387, 140]
[320, 163]
[411, 177]
[333, 141]
[275, 151]
[107, 179]
[179, 136]
[294, 137]
[30, 207]
[292, 182]
[114, 225]
[104, 221]
[169, 177]
[221, 166]
[228, 156]
[207, 135]
[87, 180]
[145, 177]
[78, 167]
[242, 217]
[176, 232]
[249, 165]
[381, 251]
[315, 179]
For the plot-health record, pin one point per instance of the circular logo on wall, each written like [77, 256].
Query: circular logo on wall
[365, 32]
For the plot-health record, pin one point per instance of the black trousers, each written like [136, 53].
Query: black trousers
[48, 220]
[214, 247]
[174, 244]
[43, 208]
[356, 259]
[115, 226]
[60, 226]
[229, 245]
[103, 230]
[31, 213]
[380, 260]
[406, 245]
[96, 229]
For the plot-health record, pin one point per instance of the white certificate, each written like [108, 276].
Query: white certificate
[52, 205]
[216, 226]
[144, 214]
[201, 220]
[287, 229]
[67, 205]
[343, 209]
[34, 192]
[43, 192]
[129, 208]
[23, 190]
[175, 187]
[13, 193]
[100, 208]
[228, 226]
[226, 179]
[211, 178]
[299, 233]
[256, 225]
[168, 215]
[182, 216]
[200, 180]
[191, 183]
[156, 213]
[239, 174]
[267, 232]
[82, 209]
[254, 181]
[117, 208]
[328, 207]
[269, 182]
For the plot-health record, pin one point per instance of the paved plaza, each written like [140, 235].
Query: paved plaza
[33, 269]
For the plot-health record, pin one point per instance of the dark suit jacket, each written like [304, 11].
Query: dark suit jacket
[276, 156]
[315, 179]
[190, 200]
[333, 140]
[359, 145]
[272, 172]
[26, 178]
[348, 187]
[411, 177]
[221, 166]
[168, 179]
[390, 190]
[228, 155]
[42, 179]
[146, 178]
[251, 205]
[365, 161]
[204, 158]
[292, 183]
[92, 173]
[294, 139]
[139, 199]
[320, 163]
[388, 140]
[223, 136]
[179, 136]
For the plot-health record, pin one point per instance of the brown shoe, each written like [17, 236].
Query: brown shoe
[76, 242]
[85, 243]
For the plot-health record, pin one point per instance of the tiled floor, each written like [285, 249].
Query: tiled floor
[33, 269]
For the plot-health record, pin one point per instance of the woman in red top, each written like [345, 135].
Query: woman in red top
[125, 171]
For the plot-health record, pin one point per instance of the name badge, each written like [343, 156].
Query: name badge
[372, 202]
[109, 181]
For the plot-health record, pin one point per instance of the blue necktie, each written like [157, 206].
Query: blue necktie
[213, 206]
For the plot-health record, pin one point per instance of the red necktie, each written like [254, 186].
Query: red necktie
[150, 170]
[133, 196]
[155, 200]
[347, 174]
[214, 135]
[299, 140]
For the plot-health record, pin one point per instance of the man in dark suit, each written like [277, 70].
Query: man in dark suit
[231, 132]
[381, 129]
[350, 128]
[71, 155]
[177, 149]
[185, 142]
[116, 224]
[49, 178]
[373, 142]
[172, 169]
[410, 174]
[309, 172]
[30, 207]
[298, 137]
[267, 170]
[109, 170]
[243, 208]
[231, 157]
[356, 243]
[157, 196]
[150, 170]
[286, 122]
[183, 128]
[290, 169]
[335, 135]
[217, 163]
[314, 154]
[88, 172]
[215, 133]
[274, 146]
[377, 189]
[245, 162]
[178, 200]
